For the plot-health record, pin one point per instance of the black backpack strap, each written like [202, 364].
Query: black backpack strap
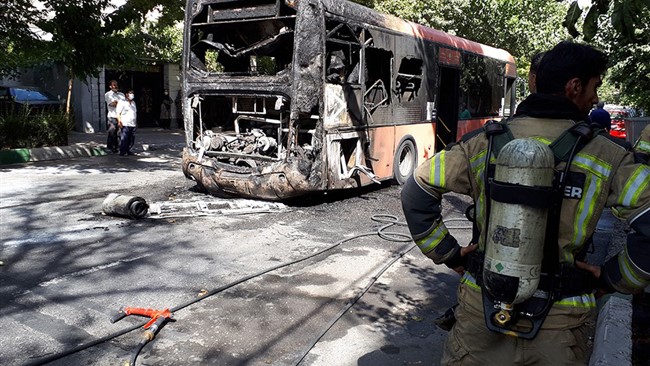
[565, 148]
[500, 135]
[494, 130]
[571, 141]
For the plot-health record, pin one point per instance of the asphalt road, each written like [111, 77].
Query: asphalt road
[68, 268]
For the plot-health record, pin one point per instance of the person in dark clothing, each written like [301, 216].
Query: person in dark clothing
[601, 117]
[166, 110]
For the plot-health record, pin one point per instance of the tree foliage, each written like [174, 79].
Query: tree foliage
[627, 17]
[16, 35]
[621, 28]
[629, 74]
[87, 34]
[524, 27]
[84, 35]
[78, 39]
[520, 27]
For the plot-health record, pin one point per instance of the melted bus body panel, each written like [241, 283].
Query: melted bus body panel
[283, 98]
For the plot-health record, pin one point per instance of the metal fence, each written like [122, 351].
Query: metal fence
[633, 128]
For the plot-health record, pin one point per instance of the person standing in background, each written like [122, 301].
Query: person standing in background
[166, 110]
[179, 111]
[112, 97]
[145, 102]
[601, 116]
[465, 113]
[127, 113]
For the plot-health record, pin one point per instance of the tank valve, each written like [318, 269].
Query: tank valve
[502, 317]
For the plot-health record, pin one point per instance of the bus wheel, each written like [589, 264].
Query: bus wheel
[404, 161]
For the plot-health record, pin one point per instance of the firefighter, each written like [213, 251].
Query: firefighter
[642, 145]
[598, 173]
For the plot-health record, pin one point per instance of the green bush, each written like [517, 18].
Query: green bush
[28, 129]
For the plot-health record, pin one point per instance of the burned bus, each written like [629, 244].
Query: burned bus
[286, 97]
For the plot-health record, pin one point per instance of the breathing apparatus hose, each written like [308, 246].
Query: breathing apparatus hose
[389, 221]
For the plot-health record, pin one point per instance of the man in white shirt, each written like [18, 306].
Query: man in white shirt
[112, 97]
[126, 113]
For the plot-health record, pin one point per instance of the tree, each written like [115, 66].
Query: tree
[524, 27]
[85, 34]
[629, 74]
[627, 17]
[16, 35]
[621, 29]
[521, 27]
[155, 42]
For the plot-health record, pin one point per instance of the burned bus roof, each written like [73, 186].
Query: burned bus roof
[372, 17]
[350, 10]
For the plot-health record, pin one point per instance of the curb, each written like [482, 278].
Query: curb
[17, 156]
[613, 338]
[48, 153]
[81, 144]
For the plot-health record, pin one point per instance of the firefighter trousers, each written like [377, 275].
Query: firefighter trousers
[471, 343]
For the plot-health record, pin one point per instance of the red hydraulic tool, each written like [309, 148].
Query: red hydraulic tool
[156, 321]
[157, 316]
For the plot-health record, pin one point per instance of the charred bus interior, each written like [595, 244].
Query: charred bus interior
[234, 45]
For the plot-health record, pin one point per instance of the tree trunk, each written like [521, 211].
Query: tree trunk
[67, 106]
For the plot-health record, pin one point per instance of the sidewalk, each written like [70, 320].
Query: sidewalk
[82, 144]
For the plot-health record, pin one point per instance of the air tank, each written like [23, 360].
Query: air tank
[516, 231]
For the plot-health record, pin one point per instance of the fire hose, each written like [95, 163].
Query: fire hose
[158, 318]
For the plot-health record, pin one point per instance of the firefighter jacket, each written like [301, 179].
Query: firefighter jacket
[642, 145]
[602, 174]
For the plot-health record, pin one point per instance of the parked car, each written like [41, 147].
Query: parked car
[618, 122]
[20, 97]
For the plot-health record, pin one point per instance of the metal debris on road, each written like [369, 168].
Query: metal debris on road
[214, 207]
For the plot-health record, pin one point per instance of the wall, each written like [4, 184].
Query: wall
[633, 128]
[89, 106]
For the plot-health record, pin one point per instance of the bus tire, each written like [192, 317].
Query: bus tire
[404, 162]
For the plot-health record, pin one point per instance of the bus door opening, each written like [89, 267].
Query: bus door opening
[447, 114]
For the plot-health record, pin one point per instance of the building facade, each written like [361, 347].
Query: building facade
[87, 100]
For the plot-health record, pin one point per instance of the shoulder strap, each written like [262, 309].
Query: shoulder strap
[562, 147]
[499, 134]
[571, 141]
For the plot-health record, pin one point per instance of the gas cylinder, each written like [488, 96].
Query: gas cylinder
[125, 206]
[515, 236]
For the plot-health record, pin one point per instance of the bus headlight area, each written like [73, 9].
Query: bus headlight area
[274, 181]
